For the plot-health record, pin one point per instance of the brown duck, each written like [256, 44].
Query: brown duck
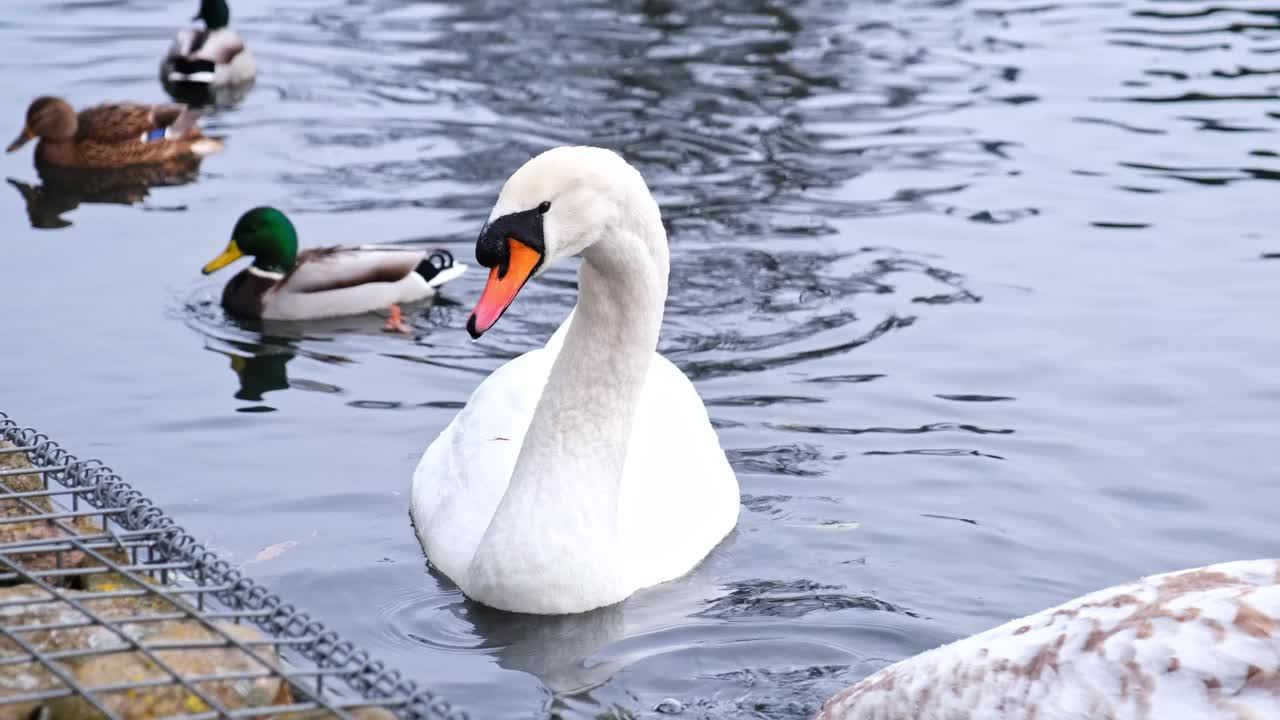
[112, 135]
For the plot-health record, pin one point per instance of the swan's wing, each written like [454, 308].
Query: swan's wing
[464, 472]
[1199, 644]
[679, 495]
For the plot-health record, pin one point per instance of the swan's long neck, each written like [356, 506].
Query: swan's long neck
[588, 407]
[561, 504]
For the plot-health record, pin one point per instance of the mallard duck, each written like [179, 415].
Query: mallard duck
[212, 55]
[284, 284]
[587, 469]
[1199, 644]
[112, 135]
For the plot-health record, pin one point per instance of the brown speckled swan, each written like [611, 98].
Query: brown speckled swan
[1200, 644]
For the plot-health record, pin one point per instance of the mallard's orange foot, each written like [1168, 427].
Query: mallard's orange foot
[396, 323]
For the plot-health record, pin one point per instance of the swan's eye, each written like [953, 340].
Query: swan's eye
[543, 207]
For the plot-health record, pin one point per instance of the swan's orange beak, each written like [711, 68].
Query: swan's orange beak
[505, 281]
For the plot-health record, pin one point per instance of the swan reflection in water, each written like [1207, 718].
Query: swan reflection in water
[658, 635]
[571, 655]
[62, 190]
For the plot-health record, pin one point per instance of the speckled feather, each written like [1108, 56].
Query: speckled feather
[110, 135]
[1193, 645]
[123, 122]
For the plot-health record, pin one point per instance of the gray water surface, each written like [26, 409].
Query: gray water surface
[977, 294]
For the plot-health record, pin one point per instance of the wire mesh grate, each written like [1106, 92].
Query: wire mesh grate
[109, 609]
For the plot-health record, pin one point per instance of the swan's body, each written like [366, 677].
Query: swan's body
[1200, 644]
[583, 471]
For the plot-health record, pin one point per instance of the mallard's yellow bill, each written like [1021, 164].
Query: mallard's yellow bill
[23, 137]
[504, 283]
[228, 256]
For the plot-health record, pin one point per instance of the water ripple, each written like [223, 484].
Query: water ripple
[794, 599]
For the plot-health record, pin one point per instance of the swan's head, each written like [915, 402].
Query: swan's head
[555, 206]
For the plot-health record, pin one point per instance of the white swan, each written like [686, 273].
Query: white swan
[583, 471]
[1200, 644]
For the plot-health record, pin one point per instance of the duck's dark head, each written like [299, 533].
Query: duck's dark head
[214, 13]
[47, 117]
[264, 234]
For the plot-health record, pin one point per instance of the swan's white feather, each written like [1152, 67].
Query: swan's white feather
[678, 495]
[1200, 644]
[585, 470]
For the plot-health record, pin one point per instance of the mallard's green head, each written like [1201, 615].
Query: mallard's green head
[264, 234]
[214, 13]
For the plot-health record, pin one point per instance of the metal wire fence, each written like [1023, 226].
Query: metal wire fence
[109, 609]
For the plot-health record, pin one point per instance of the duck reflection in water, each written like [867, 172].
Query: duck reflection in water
[260, 369]
[260, 374]
[64, 189]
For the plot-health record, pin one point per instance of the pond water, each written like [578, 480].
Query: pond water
[979, 294]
